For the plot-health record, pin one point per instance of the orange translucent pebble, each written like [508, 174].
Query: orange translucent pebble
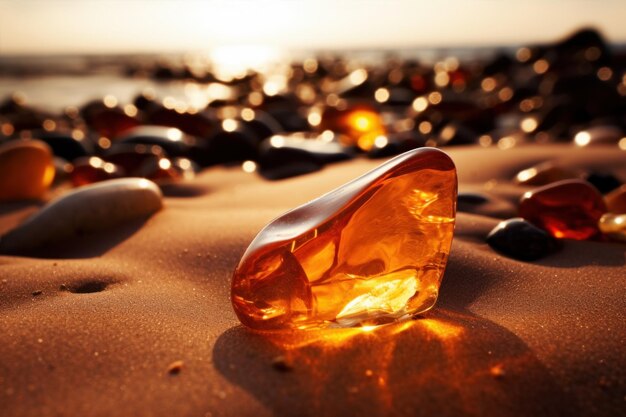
[567, 209]
[372, 251]
[26, 169]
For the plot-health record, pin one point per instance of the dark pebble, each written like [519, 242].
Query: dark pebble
[521, 240]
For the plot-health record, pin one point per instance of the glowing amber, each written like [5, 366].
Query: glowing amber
[369, 252]
[26, 169]
[359, 125]
[565, 209]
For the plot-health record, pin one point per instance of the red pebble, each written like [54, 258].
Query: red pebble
[566, 209]
[93, 169]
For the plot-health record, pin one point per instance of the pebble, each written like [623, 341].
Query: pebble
[614, 226]
[566, 209]
[89, 170]
[521, 240]
[26, 169]
[87, 209]
[363, 240]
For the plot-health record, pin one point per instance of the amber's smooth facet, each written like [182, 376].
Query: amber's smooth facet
[371, 251]
[565, 209]
[26, 169]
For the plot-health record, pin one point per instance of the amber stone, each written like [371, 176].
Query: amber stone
[616, 200]
[93, 169]
[521, 240]
[26, 169]
[108, 121]
[566, 209]
[614, 226]
[369, 252]
[545, 173]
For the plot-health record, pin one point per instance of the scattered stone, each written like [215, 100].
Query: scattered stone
[87, 209]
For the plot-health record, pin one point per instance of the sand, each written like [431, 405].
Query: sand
[137, 321]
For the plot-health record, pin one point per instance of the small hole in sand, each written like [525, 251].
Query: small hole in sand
[88, 287]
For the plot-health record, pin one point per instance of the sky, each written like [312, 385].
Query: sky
[123, 26]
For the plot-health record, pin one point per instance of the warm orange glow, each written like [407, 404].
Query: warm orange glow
[361, 126]
[435, 98]
[529, 124]
[7, 129]
[425, 127]
[605, 73]
[523, 54]
[164, 164]
[314, 118]
[488, 84]
[78, 134]
[505, 94]
[247, 114]
[526, 174]
[541, 66]
[582, 138]
[49, 125]
[104, 143]
[362, 120]
[381, 95]
[441, 329]
[229, 125]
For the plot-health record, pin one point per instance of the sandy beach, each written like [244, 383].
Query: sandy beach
[137, 321]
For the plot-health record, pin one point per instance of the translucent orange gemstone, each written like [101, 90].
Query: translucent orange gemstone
[370, 252]
[26, 169]
[566, 209]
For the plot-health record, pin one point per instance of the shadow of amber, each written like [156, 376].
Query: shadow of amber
[447, 364]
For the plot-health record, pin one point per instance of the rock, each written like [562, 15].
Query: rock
[26, 169]
[356, 255]
[521, 240]
[93, 169]
[566, 209]
[88, 209]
